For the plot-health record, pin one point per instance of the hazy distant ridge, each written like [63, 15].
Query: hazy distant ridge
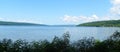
[20, 23]
[109, 23]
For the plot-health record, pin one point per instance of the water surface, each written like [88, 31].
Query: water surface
[31, 33]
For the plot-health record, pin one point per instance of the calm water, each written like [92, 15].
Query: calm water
[31, 33]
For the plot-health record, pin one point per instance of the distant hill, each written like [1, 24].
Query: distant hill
[19, 24]
[62, 25]
[109, 23]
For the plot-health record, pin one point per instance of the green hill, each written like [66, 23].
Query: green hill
[19, 24]
[109, 23]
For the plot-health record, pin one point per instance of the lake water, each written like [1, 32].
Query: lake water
[31, 33]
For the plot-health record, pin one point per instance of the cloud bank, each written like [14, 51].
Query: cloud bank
[21, 20]
[114, 14]
[82, 19]
[115, 9]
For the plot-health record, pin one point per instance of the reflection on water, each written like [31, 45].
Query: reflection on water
[41, 33]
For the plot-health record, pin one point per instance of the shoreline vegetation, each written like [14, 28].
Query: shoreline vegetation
[6, 23]
[108, 23]
[63, 44]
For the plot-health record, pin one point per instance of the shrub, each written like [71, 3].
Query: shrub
[63, 44]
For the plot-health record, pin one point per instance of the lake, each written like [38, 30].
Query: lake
[31, 33]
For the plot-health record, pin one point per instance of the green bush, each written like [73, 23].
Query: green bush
[63, 44]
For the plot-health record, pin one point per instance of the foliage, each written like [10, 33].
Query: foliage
[63, 44]
[20, 23]
[109, 23]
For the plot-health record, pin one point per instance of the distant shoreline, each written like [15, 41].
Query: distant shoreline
[108, 23]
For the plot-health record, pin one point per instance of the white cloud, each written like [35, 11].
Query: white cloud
[115, 2]
[114, 14]
[68, 18]
[82, 19]
[115, 9]
[21, 20]
[27, 21]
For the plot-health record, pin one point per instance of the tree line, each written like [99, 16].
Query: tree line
[63, 44]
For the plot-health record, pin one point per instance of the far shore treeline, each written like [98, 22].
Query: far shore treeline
[108, 23]
[63, 44]
[7, 23]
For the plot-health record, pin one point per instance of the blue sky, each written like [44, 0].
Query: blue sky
[55, 12]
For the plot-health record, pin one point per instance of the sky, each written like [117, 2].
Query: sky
[56, 12]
